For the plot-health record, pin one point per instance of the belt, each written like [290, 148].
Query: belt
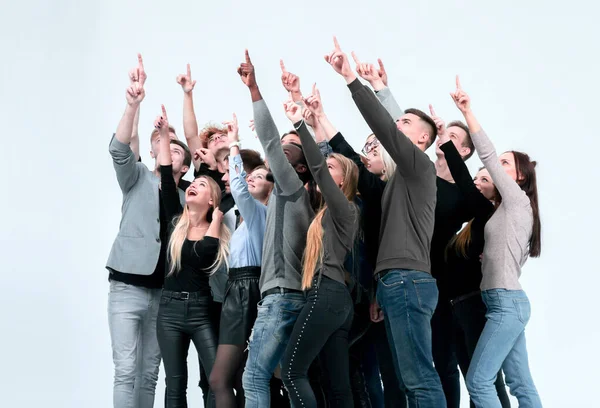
[464, 297]
[186, 295]
[245, 272]
[279, 290]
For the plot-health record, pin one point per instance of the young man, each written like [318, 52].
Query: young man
[406, 290]
[136, 263]
[451, 212]
[289, 214]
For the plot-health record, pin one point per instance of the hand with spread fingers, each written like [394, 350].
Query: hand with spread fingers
[339, 62]
[185, 80]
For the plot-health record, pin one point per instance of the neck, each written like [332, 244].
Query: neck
[442, 170]
[197, 217]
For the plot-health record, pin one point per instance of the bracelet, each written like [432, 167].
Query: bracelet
[238, 144]
[300, 125]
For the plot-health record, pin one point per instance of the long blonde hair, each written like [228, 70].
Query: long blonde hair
[313, 253]
[182, 224]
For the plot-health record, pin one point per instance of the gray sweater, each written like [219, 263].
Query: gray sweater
[508, 232]
[409, 198]
[288, 214]
[340, 220]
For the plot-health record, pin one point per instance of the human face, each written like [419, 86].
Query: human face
[217, 142]
[484, 184]
[507, 160]
[370, 144]
[177, 157]
[375, 163]
[155, 145]
[224, 168]
[335, 169]
[258, 185]
[198, 194]
[291, 138]
[457, 136]
[412, 126]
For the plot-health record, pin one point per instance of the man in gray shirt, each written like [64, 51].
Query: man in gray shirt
[289, 214]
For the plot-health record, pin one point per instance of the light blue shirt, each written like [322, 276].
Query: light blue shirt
[245, 247]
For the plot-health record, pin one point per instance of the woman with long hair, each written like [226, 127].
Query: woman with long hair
[198, 246]
[462, 259]
[251, 195]
[512, 234]
[324, 322]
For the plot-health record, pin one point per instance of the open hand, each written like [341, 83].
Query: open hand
[185, 80]
[339, 61]
[232, 129]
[290, 82]
[460, 98]
[246, 72]
[162, 123]
[292, 110]
[313, 102]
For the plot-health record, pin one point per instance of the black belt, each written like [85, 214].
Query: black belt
[279, 290]
[186, 295]
[245, 272]
[465, 297]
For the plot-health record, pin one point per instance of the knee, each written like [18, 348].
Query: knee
[219, 382]
[125, 372]
[471, 383]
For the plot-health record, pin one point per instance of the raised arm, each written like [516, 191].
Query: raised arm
[138, 74]
[284, 174]
[190, 124]
[378, 80]
[509, 189]
[124, 159]
[246, 204]
[168, 188]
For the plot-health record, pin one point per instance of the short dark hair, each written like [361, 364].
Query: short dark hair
[425, 118]
[468, 142]
[187, 155]
[251, 159]
[155, 132]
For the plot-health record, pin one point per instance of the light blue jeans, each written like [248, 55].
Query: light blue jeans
[502, 345]
[132, 313]
[274, 323]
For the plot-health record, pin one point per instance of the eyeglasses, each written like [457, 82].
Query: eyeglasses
[216, 137]
[369, 146]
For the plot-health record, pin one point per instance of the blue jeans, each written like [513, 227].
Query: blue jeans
[275, 320]
[132, 313]
[502, 345]
[408, 299]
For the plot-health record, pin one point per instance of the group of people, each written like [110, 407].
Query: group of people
[320, 276]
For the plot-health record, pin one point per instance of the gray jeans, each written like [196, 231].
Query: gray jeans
[132, 313]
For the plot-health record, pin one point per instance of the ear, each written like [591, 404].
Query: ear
[465, 151]
[152, 154]
[424, 138]
[184, 170]
[301, 168]
[210, 202]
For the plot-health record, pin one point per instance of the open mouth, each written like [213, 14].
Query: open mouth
[192, 193]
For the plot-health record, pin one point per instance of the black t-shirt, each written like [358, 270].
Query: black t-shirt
[451, 213]
[196, 259]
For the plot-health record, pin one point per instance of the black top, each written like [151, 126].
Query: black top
[156, 280]
[340, 219]
[214, 174]
[371, 189]
[464, 274]
[451, 213]
[196, 256]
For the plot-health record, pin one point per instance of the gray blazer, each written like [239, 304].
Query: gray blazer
[137, 245]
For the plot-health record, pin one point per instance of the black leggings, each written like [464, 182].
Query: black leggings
[179, 322]
[321, 330]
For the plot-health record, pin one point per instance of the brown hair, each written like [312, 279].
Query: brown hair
[187, 155]
[208, 131]
[251, 160]
[313, 254]
[527, 180]
[428, 121]
[468, 142]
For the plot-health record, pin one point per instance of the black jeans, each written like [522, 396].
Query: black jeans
[469, 320]
[179, 322]
[444, 351]
[393, 395]
[321, 330]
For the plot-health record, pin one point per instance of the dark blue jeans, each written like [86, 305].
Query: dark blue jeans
[408, 299]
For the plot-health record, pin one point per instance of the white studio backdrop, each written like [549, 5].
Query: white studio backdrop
[530, 68]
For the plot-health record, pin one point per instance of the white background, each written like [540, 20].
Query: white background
[531, 69]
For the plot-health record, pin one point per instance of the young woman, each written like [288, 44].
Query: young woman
[323, 325]
[197, 247]
[511, 235]
[463, 263]
[242, 295]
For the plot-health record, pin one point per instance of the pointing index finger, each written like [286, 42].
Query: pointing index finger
[356, 60]
[140, 60]
[458, 83]
[431, 110]
[247, 56]
[336, 43]
[282, 65]
[189, 71]
[164, 111]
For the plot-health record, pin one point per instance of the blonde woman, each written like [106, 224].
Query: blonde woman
[197, 248]
[324, 322]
